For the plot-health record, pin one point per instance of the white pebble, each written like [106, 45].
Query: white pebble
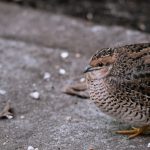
[30, 148]
[96, 29]
[22, 117]
[2, 92]
[82, 79]
[46, 76]
[35, 95]
[68, 118]
[64, 55]
[77, 55]
[148, 145]
[5, 142]
[9, 116]
[62, 71]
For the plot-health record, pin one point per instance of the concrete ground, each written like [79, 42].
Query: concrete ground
[31, 43]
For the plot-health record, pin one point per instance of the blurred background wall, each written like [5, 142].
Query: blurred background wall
[128, 13]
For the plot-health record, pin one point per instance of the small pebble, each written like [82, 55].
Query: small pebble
[22, 117]
[62, 71]
[142, 26]
[5, 143]
[9, 116]
[68, 118]
[64, 55]
[77, 55]
[2, 92]
[57, 66]
[34, 85]
[46, 76]
[96, 29]
[35, 95]
[30, 148]
[89, 16]
[148, 145]
[82, 79]
[91, 148]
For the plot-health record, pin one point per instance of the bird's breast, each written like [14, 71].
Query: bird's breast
[117, 102]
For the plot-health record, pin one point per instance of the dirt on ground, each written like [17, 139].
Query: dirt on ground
[33, 73]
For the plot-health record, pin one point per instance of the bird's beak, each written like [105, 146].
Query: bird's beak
[88, 69]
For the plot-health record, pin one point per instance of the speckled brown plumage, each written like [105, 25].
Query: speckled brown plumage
[119, 84]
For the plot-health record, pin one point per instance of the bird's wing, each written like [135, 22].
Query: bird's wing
[132, 67]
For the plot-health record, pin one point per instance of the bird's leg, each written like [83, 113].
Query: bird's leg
[134, 131]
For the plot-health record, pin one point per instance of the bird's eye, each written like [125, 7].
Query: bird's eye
[100, 65]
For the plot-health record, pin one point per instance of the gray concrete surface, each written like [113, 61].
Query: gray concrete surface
[30, 44]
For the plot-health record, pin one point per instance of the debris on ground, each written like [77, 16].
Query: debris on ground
[7, 112]
[22, 117]
[47, 76]
[90, 148]
[148, 145]
[35, 95]
[62, 71]
[77, 55]
[2, 92]
[68, 118]
[32, 148]
[64, 55]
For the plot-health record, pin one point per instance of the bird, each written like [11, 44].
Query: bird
[118, 81]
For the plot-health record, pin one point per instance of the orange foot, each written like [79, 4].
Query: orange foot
[134, 132]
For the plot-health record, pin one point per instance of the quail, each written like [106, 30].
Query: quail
[118, 80]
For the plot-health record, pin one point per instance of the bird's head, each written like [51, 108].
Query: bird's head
[100, 64]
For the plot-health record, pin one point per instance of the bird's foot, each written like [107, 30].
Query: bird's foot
[134, 131]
